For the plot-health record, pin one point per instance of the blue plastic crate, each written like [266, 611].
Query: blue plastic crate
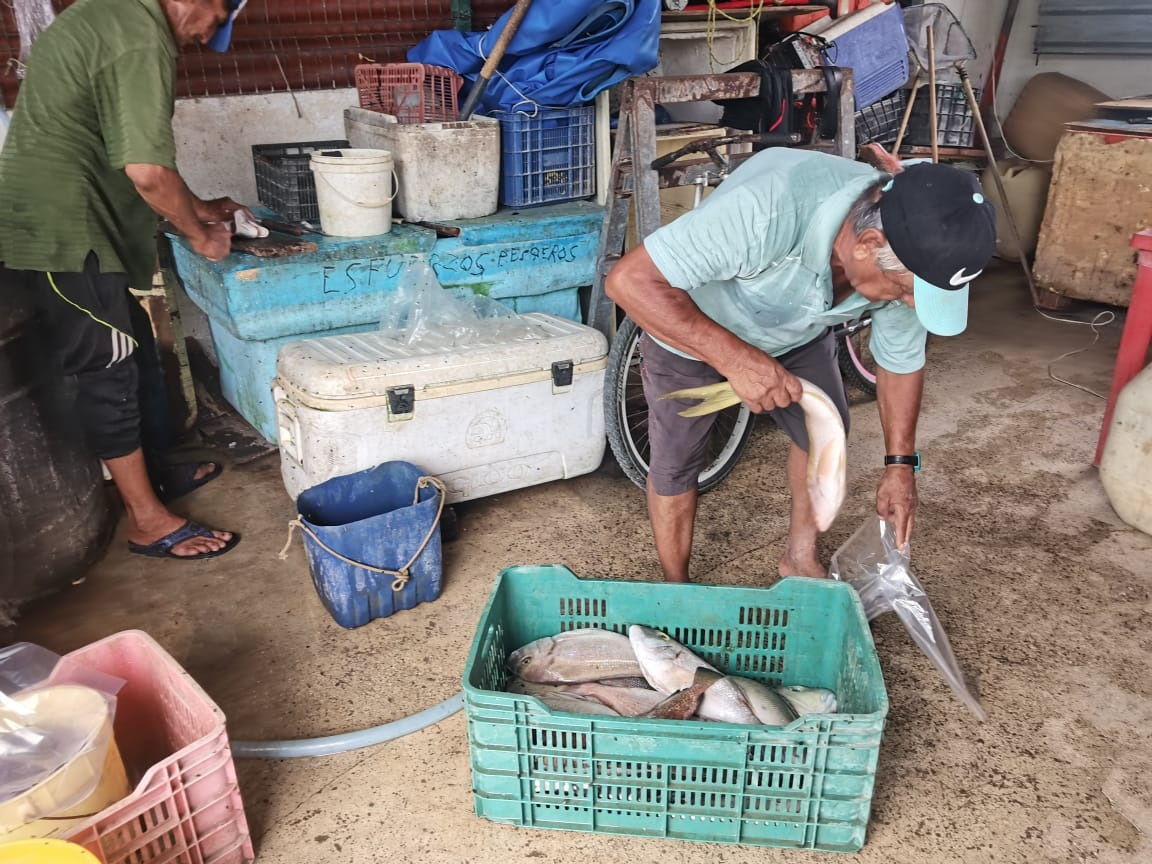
[547, 158]
[876, 50]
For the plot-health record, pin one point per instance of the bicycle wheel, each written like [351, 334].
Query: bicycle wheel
[626, 417]
[857, 365]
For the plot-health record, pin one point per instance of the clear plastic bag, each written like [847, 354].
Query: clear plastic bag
[882, 575]
[49, 720]
[24, 665]
[421, 310]
[32, 19]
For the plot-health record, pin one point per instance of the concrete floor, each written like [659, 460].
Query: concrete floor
[1045, 593]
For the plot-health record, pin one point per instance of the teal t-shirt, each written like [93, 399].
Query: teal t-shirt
[755, 256]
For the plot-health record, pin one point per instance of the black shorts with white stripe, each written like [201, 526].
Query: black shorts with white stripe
[87, 330]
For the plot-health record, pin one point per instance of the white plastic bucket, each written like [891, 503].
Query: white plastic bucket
[354, 191]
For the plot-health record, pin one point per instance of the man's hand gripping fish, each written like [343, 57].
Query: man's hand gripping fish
[827, 442]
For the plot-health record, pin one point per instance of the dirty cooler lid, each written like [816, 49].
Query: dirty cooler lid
[356, 370]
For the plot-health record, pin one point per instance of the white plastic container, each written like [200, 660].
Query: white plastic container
[1126, 463]
[445, 170]
[485, 419]
[86, 782]
[354, 191]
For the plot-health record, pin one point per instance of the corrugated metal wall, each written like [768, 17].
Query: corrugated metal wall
[296, 44]
[1100, 27]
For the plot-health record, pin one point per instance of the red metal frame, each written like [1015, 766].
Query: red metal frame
[1137, 336]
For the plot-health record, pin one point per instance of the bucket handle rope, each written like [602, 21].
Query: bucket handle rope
[365, 204]
[399, 577]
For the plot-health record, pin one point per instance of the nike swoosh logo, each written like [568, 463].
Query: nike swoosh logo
[961, 278]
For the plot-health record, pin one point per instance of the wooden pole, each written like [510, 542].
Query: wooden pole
[932, 95]
[1005, 207]
[494, 58]
[907, 113]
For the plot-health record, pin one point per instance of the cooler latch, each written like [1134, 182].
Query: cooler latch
[562, 375]
[401, 402]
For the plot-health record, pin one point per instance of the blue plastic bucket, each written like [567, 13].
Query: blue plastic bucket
[369, 518]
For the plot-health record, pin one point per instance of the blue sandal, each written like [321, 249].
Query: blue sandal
[162, 548]
[176, 481]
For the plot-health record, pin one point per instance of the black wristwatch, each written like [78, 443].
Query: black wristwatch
[913, 460]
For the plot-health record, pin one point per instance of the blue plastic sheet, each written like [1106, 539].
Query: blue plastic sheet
[563, 53]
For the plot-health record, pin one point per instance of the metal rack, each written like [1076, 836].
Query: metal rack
[637, 174]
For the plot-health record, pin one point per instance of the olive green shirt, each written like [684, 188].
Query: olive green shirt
[99, 95]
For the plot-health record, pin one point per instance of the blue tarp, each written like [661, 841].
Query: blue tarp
[563, 54]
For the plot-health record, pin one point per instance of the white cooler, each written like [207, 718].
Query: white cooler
[485, 418]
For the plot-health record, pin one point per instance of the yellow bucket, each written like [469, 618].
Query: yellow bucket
[45, 852]
[80, 713]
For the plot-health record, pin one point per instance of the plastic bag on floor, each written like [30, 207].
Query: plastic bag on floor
[420, 310]
[882, 575]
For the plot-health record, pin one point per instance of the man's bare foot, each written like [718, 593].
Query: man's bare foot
[802, 565]
[147, 534]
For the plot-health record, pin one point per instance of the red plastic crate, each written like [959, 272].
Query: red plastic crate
[411, 92]
[186, 807]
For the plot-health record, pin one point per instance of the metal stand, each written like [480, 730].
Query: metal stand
[635, 177]
[1005, 206]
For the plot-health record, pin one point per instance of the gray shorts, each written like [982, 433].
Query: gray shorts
[680, 444]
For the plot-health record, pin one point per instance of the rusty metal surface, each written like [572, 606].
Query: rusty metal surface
[288, 44]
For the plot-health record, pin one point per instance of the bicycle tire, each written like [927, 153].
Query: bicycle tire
[857, 366]
[626, 417]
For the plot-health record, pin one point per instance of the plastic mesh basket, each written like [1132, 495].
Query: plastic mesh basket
[411, 92]
[547, 158]
[284, 181]
[186, 806]
[955, 125]
[880, 121]
[807, 785]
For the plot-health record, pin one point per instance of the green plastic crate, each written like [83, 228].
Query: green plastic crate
[807, 786]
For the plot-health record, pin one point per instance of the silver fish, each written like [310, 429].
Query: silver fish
[770, 707]
[625, 701]
[638, 682]
[667, 664]
[827, 477]
[810, 700]
[557, 699]
[578, 655]
[726, 703]
[682, 705]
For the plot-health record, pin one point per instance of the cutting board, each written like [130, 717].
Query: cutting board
[272, 246]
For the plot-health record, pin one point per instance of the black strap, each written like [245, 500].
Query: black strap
[830, 115]
[770, 113]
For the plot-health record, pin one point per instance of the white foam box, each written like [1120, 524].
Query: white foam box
[486, 418]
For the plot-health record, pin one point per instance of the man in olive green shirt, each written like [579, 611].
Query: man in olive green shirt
[88, 163]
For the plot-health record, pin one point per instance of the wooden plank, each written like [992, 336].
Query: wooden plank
[1099, 198]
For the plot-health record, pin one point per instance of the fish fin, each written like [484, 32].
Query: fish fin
[706, 391]
[713, 398]
[705, 677]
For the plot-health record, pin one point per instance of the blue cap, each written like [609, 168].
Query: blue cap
[222, 38]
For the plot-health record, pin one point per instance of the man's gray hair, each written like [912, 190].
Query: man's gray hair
[865, 213]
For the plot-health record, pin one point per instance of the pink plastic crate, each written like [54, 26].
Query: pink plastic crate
[186, 807]
[411, 92]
